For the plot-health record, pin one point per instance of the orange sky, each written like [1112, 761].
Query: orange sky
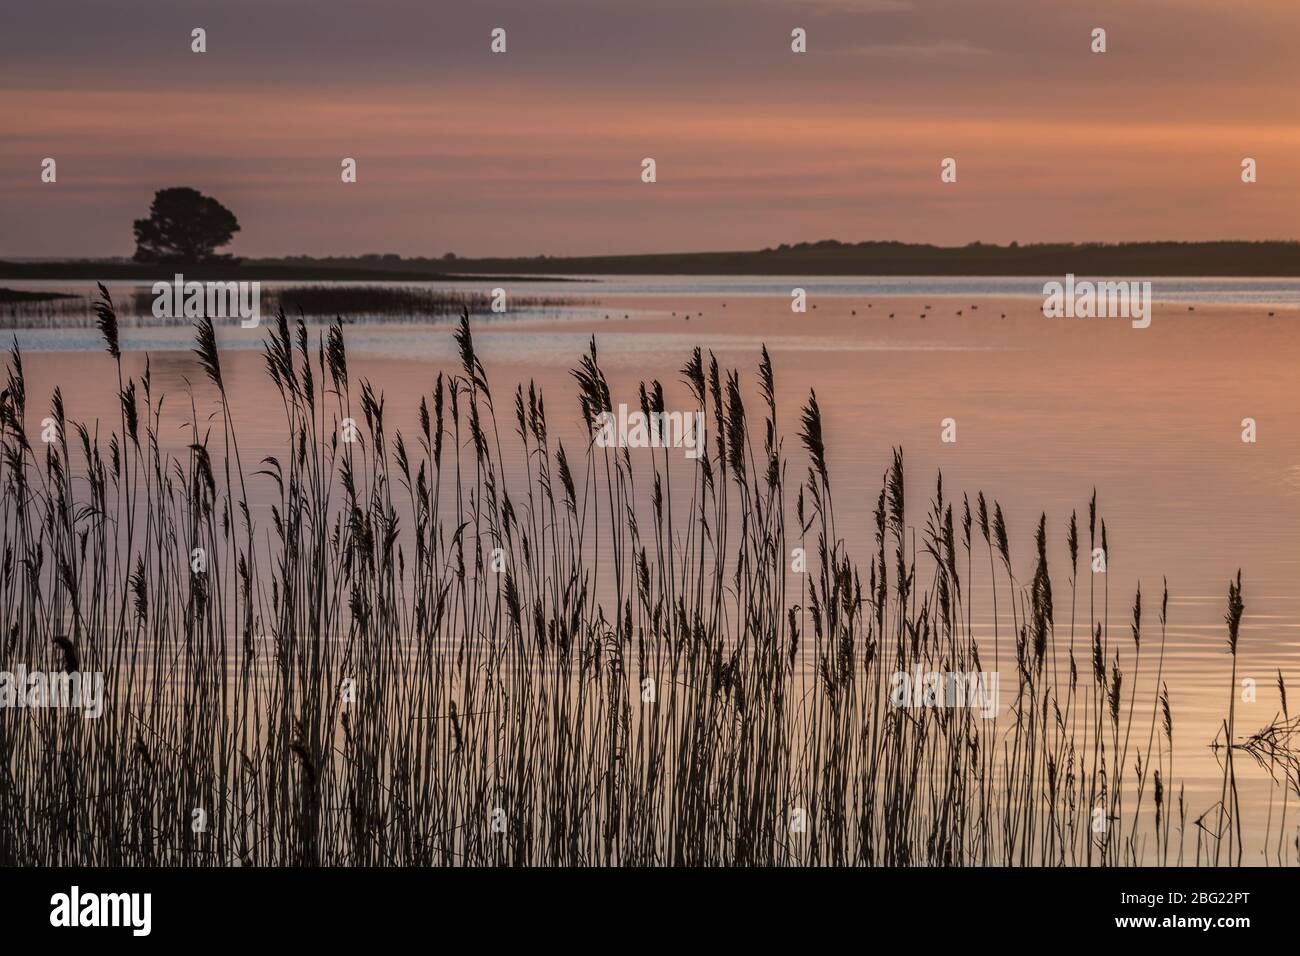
[539, 150]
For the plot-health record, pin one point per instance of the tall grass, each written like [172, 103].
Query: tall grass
[427, 651]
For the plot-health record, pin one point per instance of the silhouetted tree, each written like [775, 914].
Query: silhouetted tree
[183, 226]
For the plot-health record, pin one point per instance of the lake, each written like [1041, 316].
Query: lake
[1043, 411]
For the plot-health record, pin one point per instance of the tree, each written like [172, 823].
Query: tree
[183, 226]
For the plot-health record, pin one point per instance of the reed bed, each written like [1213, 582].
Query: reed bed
[415, 302]
[420, 654]
[17, 305]
[22, 310]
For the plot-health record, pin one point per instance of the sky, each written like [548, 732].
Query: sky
[539, 150]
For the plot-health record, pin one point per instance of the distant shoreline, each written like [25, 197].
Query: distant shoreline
[1227, 259]
[92, 270]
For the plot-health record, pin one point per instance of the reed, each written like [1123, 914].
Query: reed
[426, 651]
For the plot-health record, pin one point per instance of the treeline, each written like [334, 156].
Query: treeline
[828, 257]
[831, 257]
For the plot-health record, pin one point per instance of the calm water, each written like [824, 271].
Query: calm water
[1045, 411]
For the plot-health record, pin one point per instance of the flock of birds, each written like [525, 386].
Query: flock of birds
[973, 308]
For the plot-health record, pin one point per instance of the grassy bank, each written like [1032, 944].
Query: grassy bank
[360, 303]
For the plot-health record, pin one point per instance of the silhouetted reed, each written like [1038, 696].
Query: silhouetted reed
[423, 651]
